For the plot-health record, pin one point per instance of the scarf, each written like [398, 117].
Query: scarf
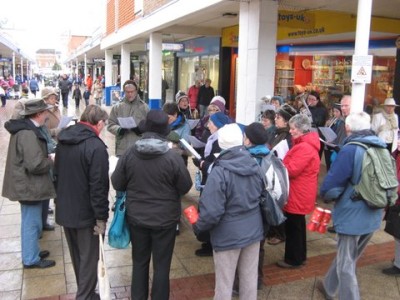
[210, 141]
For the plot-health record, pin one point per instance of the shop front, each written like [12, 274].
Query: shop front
[199, 60]
[311, 55]
[326, 68]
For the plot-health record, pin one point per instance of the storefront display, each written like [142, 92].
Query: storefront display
[330, 75]
[284, 82]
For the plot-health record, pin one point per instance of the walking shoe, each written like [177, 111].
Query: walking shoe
[320, 287]
[43, 254]
[392, 271]
[274, 241]
[203, 252]
[285, 265]
[42, 264]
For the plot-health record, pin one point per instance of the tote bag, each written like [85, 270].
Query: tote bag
[102, 275]
[118, 234]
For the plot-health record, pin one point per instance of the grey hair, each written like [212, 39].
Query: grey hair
[357, 121]
[301, 122]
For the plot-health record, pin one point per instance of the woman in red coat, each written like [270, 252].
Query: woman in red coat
[302, 162]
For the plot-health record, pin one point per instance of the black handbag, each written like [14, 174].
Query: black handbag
[392, 218]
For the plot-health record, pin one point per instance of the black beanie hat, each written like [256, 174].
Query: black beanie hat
[286, 111]
[256, 133]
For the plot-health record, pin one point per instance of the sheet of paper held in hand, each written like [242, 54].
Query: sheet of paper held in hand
[193, 123]
[65, 120]
[196, 143]
[281, 149]
[127, 123]
[328, 134]
[190, 148]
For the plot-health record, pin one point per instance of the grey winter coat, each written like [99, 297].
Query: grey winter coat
[27, 173]
[229, 204]
[137, 109]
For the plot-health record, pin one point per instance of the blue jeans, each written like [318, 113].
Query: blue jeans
[31, 228]
[341, 275]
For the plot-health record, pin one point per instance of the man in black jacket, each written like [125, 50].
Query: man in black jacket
[206, 93]
[64, 85]
[154, 178]
[81, 170]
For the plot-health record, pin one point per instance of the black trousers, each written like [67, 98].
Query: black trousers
[84, 250]
[158, 243]
[64, 96]
[295, 246]
[45, 211]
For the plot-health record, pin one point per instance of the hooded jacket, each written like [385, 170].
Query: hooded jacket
[81, 170]
[229, 204]
[302, 162]
[154, 178]
[27, 172]
[350, 217]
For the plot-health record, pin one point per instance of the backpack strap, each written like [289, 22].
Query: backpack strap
[358, 160]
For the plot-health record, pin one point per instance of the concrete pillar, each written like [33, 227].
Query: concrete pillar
[108, 68]
[125, 63]
[155, 63]
[13, 65]
[22, 68]
[85, 70]
[257, 52]
[361, 48]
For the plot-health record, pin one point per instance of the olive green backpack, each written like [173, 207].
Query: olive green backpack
[378, 182]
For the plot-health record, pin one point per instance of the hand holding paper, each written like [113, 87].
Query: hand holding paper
[127, 123]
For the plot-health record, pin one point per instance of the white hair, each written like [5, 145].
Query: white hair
[301, 122]
[357, 121]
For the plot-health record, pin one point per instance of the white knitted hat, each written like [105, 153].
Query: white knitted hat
[230, 136]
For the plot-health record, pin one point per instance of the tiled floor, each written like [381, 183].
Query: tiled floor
[191, 277]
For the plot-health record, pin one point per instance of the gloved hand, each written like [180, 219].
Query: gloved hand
[197, 162]
[100, 227]
[136, 130]
[121, 131]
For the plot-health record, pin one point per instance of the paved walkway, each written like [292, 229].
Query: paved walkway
[191, 277]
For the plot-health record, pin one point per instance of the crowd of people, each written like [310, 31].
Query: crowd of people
[71, 164]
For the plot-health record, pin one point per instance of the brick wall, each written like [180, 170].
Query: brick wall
[126, 13]
[152, 5]
[110, 23]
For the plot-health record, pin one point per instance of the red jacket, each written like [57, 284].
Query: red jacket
[192, 94]
[302, 162]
